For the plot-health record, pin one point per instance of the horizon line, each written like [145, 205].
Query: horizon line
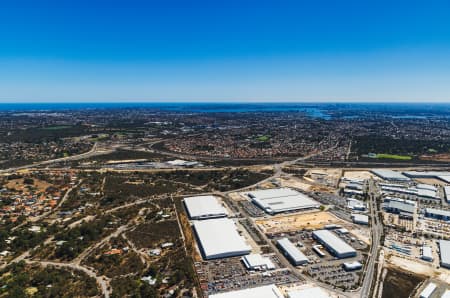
[222, 102]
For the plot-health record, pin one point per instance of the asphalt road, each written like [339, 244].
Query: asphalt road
[377, 230]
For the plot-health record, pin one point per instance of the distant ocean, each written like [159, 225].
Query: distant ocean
[310, 109]
[316, 110]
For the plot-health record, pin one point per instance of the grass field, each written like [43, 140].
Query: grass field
[394, 156]
[263, 138]
[58, 127]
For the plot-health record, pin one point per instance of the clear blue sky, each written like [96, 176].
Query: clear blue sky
[224, 50]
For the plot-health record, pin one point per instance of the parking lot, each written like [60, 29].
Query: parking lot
[252, 209]
[333, 273]
[230, 274]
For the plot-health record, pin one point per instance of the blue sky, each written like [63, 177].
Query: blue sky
[224, 50]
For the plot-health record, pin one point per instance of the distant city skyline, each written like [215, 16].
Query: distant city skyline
[233, 51]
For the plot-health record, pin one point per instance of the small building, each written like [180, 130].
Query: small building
[167, 245]
[447, 193]
[427, 253]
[5, 253]
[149, 279]
[258, 262]
[292, 253]
[155, 252]
[429, 289]
[352, 266]
[356, 205]
[317, 250]
[334, 244]
[360, 219]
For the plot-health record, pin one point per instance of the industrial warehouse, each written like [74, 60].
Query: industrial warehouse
[270, 291]
[219, 238]
[257, 262]
[444, 251]
[204, 207]
[390, 175]
[334, 244]
[294, 255]
[443, 176]
[360, 219]
[437, 214]
[280, 200]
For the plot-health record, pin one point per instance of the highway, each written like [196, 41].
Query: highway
[93, 152]
[377, 230]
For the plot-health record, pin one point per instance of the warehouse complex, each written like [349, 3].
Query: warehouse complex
[279, 200]
[270, 291]
[390, 175]
[204, 207]
[334, 244]
[293, 254]
[444, 251]
[219, 238]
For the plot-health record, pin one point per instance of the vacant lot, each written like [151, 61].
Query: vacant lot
[400, 284]
[295, 222]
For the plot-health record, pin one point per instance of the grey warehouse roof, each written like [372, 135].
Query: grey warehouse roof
[292, 250]
[402, 206]
[337, 244]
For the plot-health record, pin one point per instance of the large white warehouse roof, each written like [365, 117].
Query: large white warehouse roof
[334, 243]
[270, 291]
[219, 238]
[204, 207]
[281, 199]
[315, 292]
